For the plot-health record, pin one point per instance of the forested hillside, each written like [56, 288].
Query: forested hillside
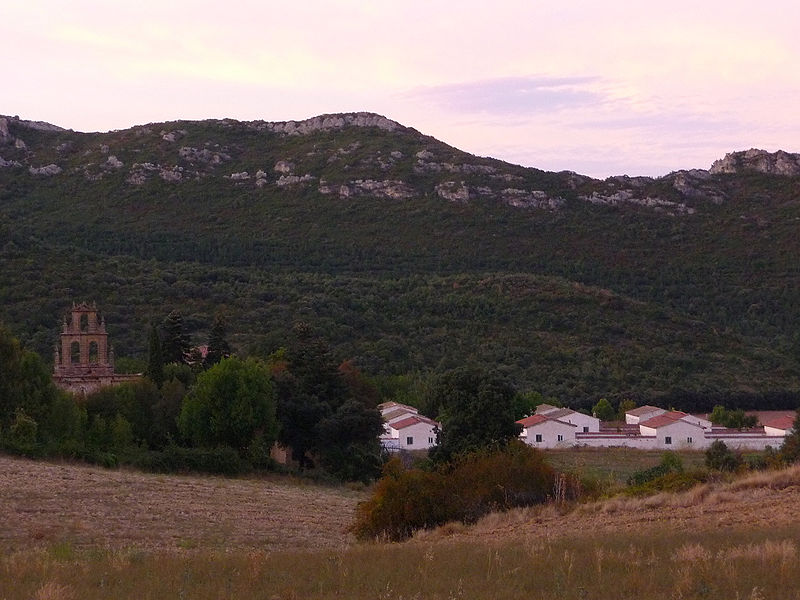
[410, 256]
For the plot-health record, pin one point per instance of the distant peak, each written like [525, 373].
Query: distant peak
[334, 121]
[762, 161]
[39, 125]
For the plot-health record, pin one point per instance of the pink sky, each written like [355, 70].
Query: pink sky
[599, 87]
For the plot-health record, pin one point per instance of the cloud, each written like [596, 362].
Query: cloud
[512, 96]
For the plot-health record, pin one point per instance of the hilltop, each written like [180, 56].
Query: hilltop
[409, 254]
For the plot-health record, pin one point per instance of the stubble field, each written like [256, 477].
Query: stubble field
[73, 532]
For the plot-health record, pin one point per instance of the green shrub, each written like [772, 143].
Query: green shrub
[669, 482]
[405, 500]
[721, 458]
[176, 459]
[670, 463]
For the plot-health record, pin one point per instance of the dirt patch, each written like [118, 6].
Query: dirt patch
[44, 504]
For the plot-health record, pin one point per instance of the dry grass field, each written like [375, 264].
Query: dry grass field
[72, 532]
[88, 507]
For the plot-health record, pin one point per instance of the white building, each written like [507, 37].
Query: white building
[780, 425]
[637, 415]
[674, 431]
[584, 423]
[414, 432]
[541, 431]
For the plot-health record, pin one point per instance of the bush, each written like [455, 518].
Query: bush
[175, 459]
[670, 463]
[721, 458]
[675, 481]
[405, 500]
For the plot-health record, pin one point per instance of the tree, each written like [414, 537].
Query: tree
[232, 404]
[603, 410]
[155, 358]
[623, 408]
[322, 417]
[348, 442]
[477, 411]
[218, 347]
[722, 458]
[174, 342]
[790, 449]
[25, 382]
[734, 419]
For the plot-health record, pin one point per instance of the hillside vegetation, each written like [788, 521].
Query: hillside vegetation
[409, 255]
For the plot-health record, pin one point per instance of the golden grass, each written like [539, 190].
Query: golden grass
[735, 539]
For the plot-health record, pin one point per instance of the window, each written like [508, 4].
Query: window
[93, 356]
[431, 440]
[75, 353]
[668, 440]
[560, 438]
[409, 441]
[585, 429]
[538, 437]
[689, 440]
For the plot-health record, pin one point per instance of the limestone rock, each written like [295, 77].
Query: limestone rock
[329, 122]
[627, 196]
[20, 145]
[283, 166]
[47, 170]
[696, 184]
[772, 163]
[240, 176]
[389, 188]
[9, 163]
[4, 134]
[205, 155]
[530, 199]
[454, 192]
[112, 162]
[293, 179]
[173, 174]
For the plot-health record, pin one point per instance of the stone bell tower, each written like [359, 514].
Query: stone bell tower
[84, 360]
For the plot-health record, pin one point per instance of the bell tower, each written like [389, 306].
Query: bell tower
[84, 359]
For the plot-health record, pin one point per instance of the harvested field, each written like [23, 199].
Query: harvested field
[45, 504]
[764, 501]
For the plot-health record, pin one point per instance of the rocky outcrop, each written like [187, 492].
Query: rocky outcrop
[4, 133]
[195, 155]
[697, 184]
[9, 163]
[530, 199]
[330, 122]
[389, 189]
[629, 197]
[284, 180]
[47, 170]
[283, 166]
[771, 163]
[141, 172]
[112, 162]
[453, 192]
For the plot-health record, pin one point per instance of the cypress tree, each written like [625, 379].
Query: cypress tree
[155, 358]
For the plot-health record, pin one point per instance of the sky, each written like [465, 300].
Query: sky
[602, 88]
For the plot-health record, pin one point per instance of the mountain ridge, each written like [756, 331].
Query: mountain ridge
[408, 254]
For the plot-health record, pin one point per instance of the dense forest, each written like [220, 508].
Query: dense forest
[656, 290]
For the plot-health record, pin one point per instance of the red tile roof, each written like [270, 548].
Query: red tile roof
[643, 410]
[412, 420]
[536, 419]
[666, 419]
[779, 422]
